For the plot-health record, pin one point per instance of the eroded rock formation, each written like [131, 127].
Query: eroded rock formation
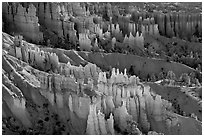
[84, 76]
[99, 106]
[22, 20]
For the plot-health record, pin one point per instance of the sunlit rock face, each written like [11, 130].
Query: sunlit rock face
[179, 24]
[134, 42]
[173, 24]
[22, 20]
[149, 27]
[85, 42]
